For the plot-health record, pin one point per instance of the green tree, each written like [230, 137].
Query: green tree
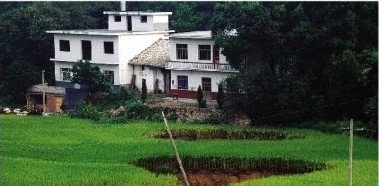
[143, 92]
[90, 75]
[220, 95]
[299, 55]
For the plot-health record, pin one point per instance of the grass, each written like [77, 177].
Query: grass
[63, 151]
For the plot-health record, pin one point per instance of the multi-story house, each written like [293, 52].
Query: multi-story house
[110, 49]
[137, 48]
[182, 63]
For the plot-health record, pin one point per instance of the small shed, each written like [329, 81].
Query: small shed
[54, 97]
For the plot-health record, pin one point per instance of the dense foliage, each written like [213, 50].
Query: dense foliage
[300, 60]
[90, 76]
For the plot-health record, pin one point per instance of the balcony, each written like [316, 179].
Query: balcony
[176, 65]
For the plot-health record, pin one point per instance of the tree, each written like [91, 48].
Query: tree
[91, 76]
[297, 56]
[220, 95]
[200, 98]
[144, 92]
[19, 77]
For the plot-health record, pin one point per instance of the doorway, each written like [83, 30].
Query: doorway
[86, 50]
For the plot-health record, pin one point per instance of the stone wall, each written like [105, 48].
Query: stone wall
[207, 115]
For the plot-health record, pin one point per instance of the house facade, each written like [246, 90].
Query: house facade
[196, 61]
[110, 49]
[138, 47]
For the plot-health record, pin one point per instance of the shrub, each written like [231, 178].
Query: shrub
[200, 98]
[85, 111]
[138, 110]
[144, 92]
[220, 95]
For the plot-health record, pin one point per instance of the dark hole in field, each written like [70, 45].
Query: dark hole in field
[191, 134]
[221, 171]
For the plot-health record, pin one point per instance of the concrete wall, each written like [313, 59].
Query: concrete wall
[194, 79]
[150, 74]
[97, 45]
[193, 50]
[154, 23]
[58, 65]
[112, 25]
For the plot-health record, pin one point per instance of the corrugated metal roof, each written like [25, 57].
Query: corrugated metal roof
[48, 89]
[155, 55]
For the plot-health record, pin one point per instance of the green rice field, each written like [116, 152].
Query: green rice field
[58, 150]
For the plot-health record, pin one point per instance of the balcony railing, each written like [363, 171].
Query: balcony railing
[200, 66]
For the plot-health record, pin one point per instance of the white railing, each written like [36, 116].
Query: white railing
[195, 65]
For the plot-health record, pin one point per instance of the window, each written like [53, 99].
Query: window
[143, 67]
[109, 76]
[108, 47]
[64, 45]
[183, 82]
[117, 18]
[181, 51]
[143, 19]
[204, 52]
[86, 50]
[206, 84]
[66, 74]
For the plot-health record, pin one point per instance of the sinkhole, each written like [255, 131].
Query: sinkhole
[222, 171]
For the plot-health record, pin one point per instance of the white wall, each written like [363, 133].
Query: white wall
[112, 25]
[194, 79]
[150, 74]
[58, 65]
[138, 26]
[193, 50]
[161, 21]
[97, 44]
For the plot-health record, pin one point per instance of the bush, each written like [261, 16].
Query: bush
[138, 110]
[85, 111]
[220, 95]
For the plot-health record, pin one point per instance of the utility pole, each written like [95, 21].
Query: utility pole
[43, 93]
[351, 129]
[185, 179]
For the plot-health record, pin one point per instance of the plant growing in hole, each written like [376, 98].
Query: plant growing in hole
[220, 95]
[200, 98]
[144, 92]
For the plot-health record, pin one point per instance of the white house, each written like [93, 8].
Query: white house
[137, 48]
[181, 64]
[127, 35]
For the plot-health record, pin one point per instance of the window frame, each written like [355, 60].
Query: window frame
[143, 19]
[180, 80]
[205, 51]
[64, 71]
[64, 45]
[182, 51]
[107, 50]
[117, 18]
[107, 74]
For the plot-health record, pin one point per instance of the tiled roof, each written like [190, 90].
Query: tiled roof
[155, 55]
[48, 89]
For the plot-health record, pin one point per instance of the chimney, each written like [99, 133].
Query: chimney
[123, 6]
